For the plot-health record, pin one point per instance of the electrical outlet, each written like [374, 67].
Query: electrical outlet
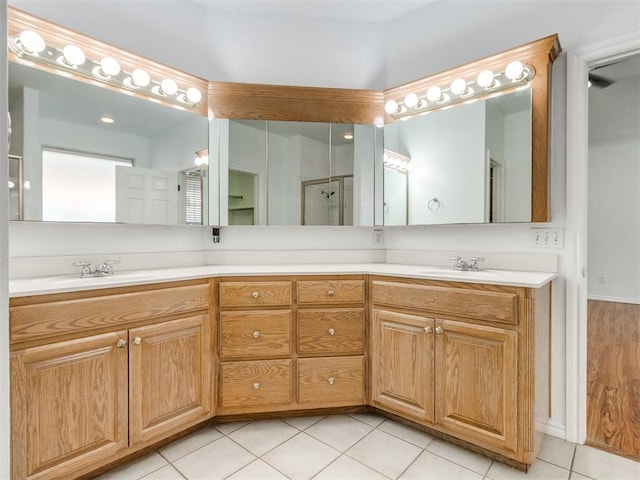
[547, 237]
[378, 237]
[602, 279]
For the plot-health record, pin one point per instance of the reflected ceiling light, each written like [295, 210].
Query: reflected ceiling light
[379, 122]
[27, 184]
[140, 78]
[193, 96]
[485, 79]
[12, 184]
[435, 94]
[109, 67]
[202, 158]
[411, 100]
[515, 76]
[348, 136]
[391, 107]
[396, 161]
[31, 42]
[459, 87]
[72, 56]
[106, 119]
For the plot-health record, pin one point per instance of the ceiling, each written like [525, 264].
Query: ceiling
[375, 11]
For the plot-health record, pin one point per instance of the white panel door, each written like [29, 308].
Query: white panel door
[145, 195]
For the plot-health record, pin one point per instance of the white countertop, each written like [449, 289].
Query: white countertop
[68, 283]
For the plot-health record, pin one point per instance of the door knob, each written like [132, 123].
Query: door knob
[256, 385]
[256, 334]
[121, 343]
[255, 294]
[428, 329]
[331, 293]
[332, 331]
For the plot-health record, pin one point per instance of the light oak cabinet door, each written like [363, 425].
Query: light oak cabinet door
[476, 382]
[402, 364]
[69, 405]
[170, 371]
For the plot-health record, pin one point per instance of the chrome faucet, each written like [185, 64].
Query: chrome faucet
[104, 270]
[463, 265]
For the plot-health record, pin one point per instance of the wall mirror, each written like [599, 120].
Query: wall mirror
[471, 145]
[90, 147]
[299, 173]
[468, 164]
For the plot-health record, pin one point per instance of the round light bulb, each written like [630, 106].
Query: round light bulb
[169, 87]
[109, 66]
[12, 184]
[434, 93]
[391, 107]
[514, 70]
[411, 100]
[32, 42]
[458, 86]
[485, 79]
[193, 95]
[140, 78]
[73, 55]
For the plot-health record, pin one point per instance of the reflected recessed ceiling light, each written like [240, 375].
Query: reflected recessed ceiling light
[106, 119]
[348, 136]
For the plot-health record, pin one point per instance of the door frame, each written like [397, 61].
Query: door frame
[579, 62]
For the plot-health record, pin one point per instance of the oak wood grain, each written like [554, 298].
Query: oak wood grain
[169, 376]
[613, 377]
[251, 293]
[337, 331]
[481, 305]
[69, 406]
[262, 334]
[331, 382]
[330, 291]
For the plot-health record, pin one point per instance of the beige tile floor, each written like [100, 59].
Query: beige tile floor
[351, 447]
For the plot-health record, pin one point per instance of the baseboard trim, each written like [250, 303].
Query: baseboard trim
[602, 298]
[556, 429]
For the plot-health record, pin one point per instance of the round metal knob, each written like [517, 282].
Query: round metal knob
[331, 380]
[332, 331]
[331, 293]
[255, 294]
[439, 330]
[137, 340]
[256, 334]
[428, 329]
[121, 343]
[256, 385]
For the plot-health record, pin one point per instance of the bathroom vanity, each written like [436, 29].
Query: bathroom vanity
[99, 372]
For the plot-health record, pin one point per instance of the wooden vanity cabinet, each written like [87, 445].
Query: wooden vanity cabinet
[460, 359]
[291, 343]
[98, 375]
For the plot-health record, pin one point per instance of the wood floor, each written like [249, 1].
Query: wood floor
[613, 377]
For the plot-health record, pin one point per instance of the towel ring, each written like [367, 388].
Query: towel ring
[434, 204]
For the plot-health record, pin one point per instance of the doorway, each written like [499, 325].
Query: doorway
[613, 258]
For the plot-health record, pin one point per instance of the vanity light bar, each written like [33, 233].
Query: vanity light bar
[396, 161]
[70, 59]
[460, 90]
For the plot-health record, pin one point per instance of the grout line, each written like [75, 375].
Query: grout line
[179, 472]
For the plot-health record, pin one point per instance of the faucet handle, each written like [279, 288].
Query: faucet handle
[86, 268]
[106, 268]
[473, 262]
[455, 258]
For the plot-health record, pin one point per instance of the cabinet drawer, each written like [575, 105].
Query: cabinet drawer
[331, 331]
[330, 291]
[256, 384]
[331, 381]
[242, 294]
[255, 334]
[478, 304]
[74, 313]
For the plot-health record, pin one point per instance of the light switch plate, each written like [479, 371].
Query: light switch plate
[547, 237]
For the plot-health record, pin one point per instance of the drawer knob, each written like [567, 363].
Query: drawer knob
[137, 340]
[255, 294]
[439, 330]
[256, 385]
[331, 380]
[428, 329]
[332, 331]
[256, 334]
[121, 343]
[331, 293]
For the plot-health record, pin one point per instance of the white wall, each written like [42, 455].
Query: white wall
[175, 148]
[517, 128]
[614, 221]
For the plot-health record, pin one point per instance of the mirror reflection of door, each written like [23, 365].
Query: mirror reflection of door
[395, 197]
[613, 281]
[16, 188]
[243, 193]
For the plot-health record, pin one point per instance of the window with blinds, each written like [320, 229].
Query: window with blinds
[193, 197]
